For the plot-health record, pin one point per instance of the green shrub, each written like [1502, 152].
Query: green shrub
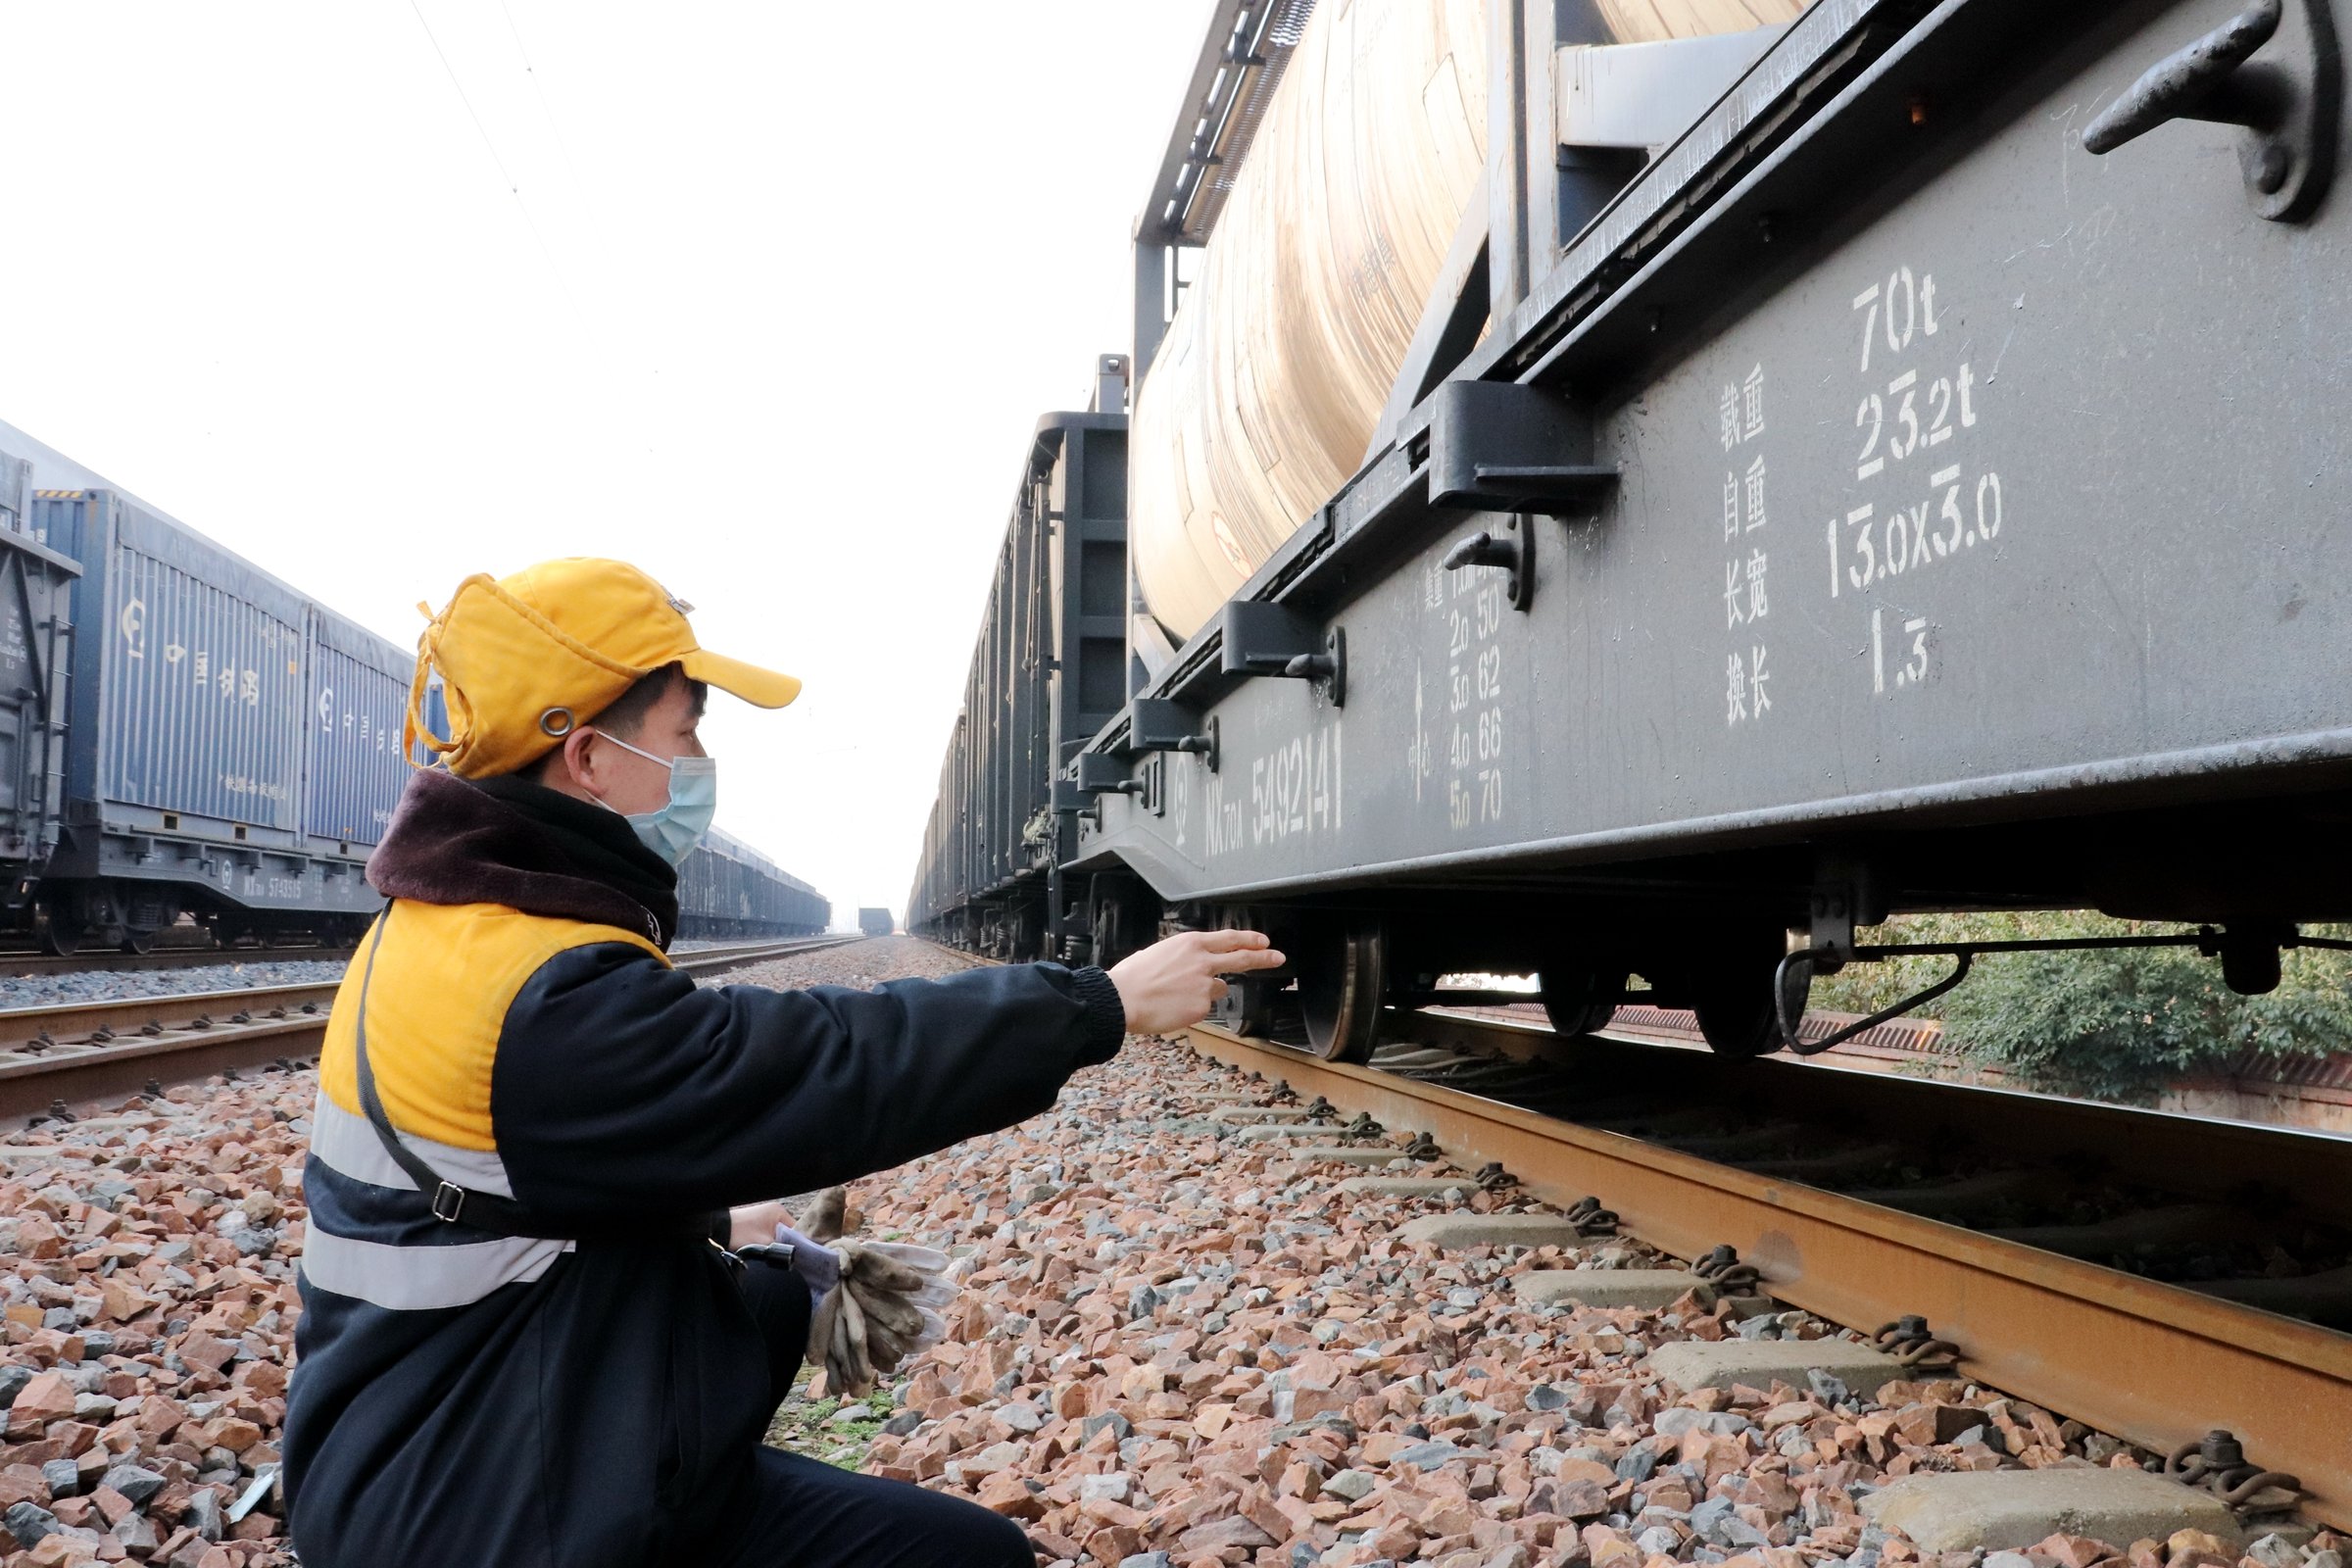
[2109, 1024]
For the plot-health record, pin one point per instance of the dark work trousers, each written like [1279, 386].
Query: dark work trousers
[807, 1514]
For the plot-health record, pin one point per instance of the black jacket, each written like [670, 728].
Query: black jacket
[467, 1398]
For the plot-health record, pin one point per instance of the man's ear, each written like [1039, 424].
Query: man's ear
[575, 758]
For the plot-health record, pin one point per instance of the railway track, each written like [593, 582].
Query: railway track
[78, 1052]
[2154, 1276]
[2313, 1095]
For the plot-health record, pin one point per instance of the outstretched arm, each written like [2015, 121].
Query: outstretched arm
[623, 1087]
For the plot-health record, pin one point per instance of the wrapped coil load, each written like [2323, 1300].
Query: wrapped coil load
[1273, 374]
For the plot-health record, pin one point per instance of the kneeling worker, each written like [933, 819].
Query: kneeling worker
[519, 1344]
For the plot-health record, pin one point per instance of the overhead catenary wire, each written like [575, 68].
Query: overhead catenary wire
[489, 145]
[546, 109]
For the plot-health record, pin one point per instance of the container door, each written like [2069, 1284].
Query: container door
[202, 705]
[353, 768]
[34, 641]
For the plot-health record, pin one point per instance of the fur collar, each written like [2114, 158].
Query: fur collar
[507, 841]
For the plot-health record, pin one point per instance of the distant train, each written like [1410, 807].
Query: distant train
[876, 922]
[728, 889]
[182, 733]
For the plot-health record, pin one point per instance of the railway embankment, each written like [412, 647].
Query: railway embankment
[1198, 1327]
[1195, 1327]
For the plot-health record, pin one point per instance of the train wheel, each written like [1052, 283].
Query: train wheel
[1735, 1008]
[138, 939]
[1341, 986]
[61, 933]
[1126, 919]
[1248, 1007]
[1579, 998]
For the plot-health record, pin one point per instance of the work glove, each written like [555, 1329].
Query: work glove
[883, 1309]
[828, 1214]
[818, 1265]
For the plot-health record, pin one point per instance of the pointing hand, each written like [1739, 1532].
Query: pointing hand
[1172, 984]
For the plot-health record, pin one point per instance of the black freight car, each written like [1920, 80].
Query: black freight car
[1903, 478]
[1049, 670]
[728, 889]
[876, 922]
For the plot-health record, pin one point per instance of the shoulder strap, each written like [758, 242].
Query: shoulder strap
[451, 1203]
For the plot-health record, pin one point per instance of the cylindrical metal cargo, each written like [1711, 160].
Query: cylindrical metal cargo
[1276, 366]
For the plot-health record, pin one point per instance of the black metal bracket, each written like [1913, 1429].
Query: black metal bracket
[1498, 446]
[1099, 773]
[1269, 639]
[2209, 942]
[1156, 724]
[1513, 549]
[2289, 104]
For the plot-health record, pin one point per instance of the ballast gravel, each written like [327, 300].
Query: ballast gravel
[147, 1260]
[1175, 1349]
[852, 963]
[1179, 1345]
[76, 987]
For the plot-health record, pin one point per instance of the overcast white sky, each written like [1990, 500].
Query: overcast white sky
[786, 288]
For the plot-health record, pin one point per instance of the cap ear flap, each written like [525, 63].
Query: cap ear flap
[413, 730]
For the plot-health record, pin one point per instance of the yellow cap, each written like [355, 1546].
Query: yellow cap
[524, 660]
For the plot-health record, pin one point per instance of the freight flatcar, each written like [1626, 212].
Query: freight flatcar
[1684, 497]
[182, 733]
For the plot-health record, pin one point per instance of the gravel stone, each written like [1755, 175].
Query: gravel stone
[28, 1523]
[1430, 1456]
[135, 1481]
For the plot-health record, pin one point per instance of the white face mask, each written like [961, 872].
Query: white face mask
[678, 826]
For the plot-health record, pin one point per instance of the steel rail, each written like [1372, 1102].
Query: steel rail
[84, 1051]
[2149, 1362]
[713, 960]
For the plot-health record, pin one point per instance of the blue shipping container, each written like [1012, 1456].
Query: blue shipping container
[188, 690]
[354, 772]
